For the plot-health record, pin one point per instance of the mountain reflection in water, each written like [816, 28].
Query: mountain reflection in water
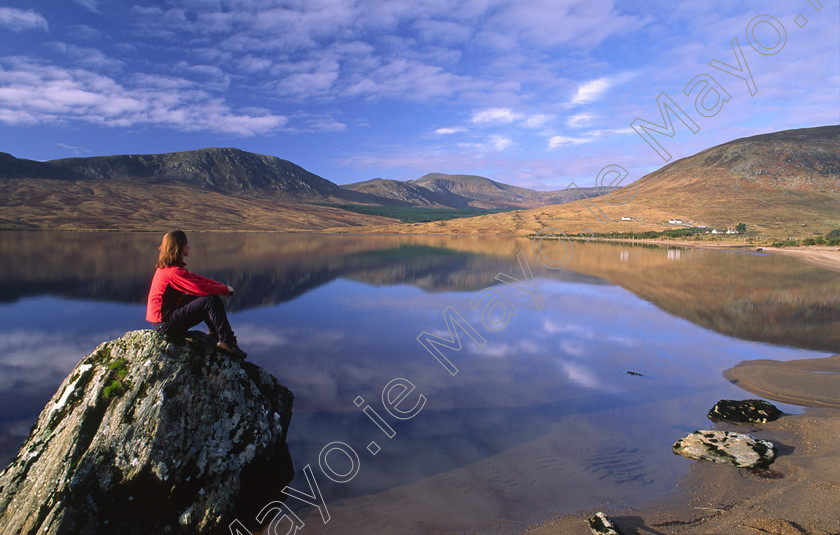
[542, 417]
[777, 300]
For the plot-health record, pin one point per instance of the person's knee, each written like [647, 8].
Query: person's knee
[210, 301]
[215, 303]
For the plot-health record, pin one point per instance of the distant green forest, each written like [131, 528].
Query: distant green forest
[414, 214]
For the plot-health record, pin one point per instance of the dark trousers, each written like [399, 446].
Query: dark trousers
[210, 309]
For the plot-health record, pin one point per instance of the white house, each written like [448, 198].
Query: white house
[675, 221]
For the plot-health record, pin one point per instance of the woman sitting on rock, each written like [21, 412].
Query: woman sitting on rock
[179, 299]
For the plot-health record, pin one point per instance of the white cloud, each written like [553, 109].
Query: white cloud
[591, 91]
[493, 144]
[18, 20]
[86, 56]
[448, 131]
[306, 78]
[253, 64]
[261, 337]
[443, 32]
[32, 93]
[580, 120]
[407, 79]
[501, 143]
[73, 148]
[558, 141]
[537, 121]
[496, 116]
[422, 51]
[307, 122]
[550, 23]
[90, 5]
[582, 375]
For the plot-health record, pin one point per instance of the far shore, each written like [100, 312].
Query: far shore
[827, 257]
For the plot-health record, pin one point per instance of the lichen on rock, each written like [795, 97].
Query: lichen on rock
[601, 524]
[149, 434]
[725, 447]
[744, 411]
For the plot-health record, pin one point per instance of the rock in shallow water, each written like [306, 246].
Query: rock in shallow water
[150, 434]
[746, 411]
[737, 449]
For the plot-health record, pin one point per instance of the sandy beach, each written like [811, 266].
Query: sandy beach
[822, 256]
[799, 495]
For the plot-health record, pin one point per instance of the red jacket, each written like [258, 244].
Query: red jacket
[169, 287]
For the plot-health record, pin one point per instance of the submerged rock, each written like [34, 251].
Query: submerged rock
[736, 449]
[601, 524]
[149, 434]
[746, 411]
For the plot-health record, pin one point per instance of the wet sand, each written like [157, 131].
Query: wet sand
[821, 256]
[806, 382]
[802, 492]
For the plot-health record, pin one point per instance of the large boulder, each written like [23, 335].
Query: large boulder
[753, 411]
[736, 449]
[150, 434]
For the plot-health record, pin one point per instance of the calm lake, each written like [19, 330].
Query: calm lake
[542, 416]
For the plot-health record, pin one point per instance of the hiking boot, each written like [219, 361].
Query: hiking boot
[232, 349]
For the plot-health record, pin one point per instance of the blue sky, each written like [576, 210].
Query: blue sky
[536, 93]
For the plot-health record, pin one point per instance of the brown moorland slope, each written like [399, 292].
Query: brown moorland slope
[50, 204]
[784, 184]
[221, 189]
[206, 189]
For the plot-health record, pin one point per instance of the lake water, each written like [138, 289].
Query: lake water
[542, 416]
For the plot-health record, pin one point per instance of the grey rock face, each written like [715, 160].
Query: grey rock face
[746, 411]
[150, 434]
[737, 449]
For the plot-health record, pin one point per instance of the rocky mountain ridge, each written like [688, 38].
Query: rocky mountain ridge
[440, 190]
[802, 160]
[225, 170]
[234, 171]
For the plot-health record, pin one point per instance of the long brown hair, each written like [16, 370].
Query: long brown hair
[172, 249]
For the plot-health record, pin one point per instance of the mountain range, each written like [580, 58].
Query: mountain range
[223, 170]
[438, 190]
[780, 185]
[240, 189]
[784, 183]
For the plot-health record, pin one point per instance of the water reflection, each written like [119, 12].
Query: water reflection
[748, 295]
[542, 415]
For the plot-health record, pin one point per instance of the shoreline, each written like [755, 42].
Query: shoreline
[799, 494]
[802, 496]
[827, 257]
